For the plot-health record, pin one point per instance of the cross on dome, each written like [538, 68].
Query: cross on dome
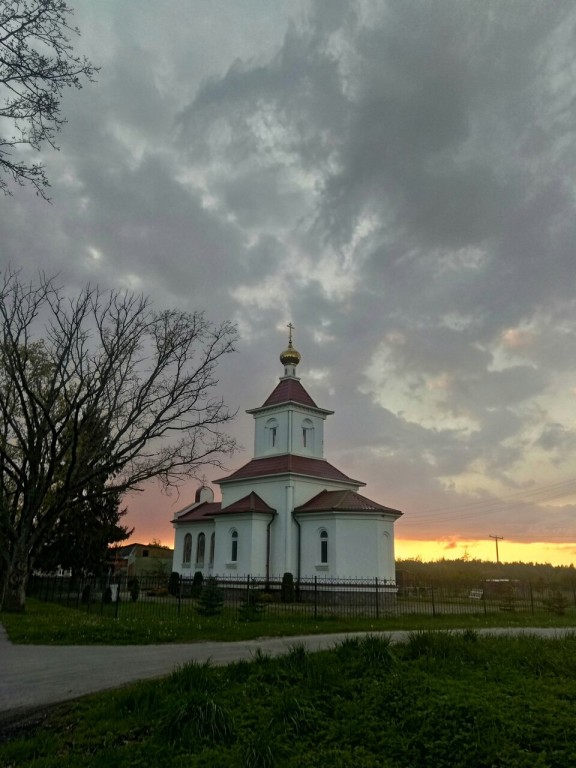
[290, 357]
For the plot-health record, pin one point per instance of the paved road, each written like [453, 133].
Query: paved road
[36, 676]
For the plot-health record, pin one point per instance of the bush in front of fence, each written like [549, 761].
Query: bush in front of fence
[211, 601]
[287, 590]
[252, 607]
[134, 590]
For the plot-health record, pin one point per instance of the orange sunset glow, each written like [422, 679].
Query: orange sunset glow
[508, 551]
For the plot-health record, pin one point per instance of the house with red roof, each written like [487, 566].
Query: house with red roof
[287, 509]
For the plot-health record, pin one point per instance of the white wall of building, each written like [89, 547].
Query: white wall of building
[194, 529]
[289, 423]
[251, 530]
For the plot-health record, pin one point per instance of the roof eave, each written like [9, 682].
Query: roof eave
[346, 481]
[284, 403]
[388, 512]
[245, 512]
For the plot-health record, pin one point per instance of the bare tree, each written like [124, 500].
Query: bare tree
[36, 64]
[97, 388]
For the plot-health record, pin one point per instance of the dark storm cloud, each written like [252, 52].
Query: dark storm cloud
[396, 178]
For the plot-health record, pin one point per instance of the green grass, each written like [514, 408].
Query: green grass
[440, 700]
[142, 623]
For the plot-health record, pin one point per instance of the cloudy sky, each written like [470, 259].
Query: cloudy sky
[395, 178]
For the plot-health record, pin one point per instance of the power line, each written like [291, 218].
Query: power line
[470, 509]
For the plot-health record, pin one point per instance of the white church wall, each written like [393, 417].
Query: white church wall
[248, 555]
[310, 545]
[187, 570]
[356, 547]
[387, 554]
[282, 495]
[265, 443]
[314, 441]
[288, 422]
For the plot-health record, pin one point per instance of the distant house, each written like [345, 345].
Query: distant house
[140, 560]
[287, 509]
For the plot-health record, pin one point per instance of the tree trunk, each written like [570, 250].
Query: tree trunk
[14, 592]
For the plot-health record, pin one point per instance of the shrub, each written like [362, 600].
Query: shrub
[174, 584]
[135, 590]
[107, 595]
[287, 592]
[258, 750]
[556, 602]
[198, 717]
[197, 582]
[252, 607]
[211, 601]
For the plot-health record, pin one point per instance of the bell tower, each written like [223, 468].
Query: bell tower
[289, 422]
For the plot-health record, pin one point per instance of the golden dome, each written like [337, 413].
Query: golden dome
[290, 356]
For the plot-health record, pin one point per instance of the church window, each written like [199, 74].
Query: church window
[272, 433]
[307, 433]
[234, 546]
[200, 549]
[323, 547]
[212, 547]
[187, 550]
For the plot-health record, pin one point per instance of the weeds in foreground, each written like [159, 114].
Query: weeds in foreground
[455, 700]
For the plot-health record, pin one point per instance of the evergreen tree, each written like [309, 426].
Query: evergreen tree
[211, 599]
[252, 607]
[81, 536]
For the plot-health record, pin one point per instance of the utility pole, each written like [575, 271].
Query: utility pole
[496, 539]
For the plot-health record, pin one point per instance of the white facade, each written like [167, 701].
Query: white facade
[288, 509]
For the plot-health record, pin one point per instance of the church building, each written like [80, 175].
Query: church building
[288, 509]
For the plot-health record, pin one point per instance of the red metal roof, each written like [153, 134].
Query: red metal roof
[250, 503]
[290, 390]
[343, 501]
[200, 512]
[289, 463]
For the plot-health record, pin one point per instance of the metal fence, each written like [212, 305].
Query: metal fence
[249, 597]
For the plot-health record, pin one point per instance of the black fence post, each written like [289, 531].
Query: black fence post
[484, 597]
[179, 594]
[433, 600]
[117, 600]
[315, 597]
[376, 596]
[531, 597]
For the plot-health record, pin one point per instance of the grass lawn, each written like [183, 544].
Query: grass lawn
[142, 623]
[452, 700]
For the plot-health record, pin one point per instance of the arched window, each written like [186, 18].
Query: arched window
[323, 547]
[307, 434]
[234, 546]
[271, 433]
[187, 557]
[200, 549]
[212, 547]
